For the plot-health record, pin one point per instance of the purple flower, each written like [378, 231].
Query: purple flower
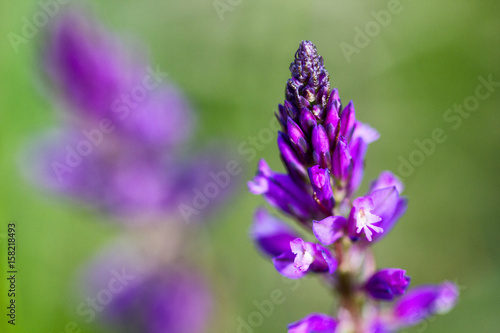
[386, 179]
[342, 162]
[119, 149]
[323, 147]
[423, 302]
[322, 188]
[314, 323]
[135, 294]
[98, 79]
[282, 191]
[133, 186]
[317, 131]
[271, 235]
[376, 214]
[322, 144]
[174, 301]
[362, 136]
[304, 257]
[363, 217]
[387, 284]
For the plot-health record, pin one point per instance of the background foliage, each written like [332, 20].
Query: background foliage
[234, 69]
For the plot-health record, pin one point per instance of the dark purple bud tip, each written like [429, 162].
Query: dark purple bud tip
[308, 64]
[387, 284]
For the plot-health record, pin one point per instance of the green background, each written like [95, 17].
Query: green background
[234, 70]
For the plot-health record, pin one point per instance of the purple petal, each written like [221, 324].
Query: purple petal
[305, 253]
[387, 284]
[385, 202]
[347, 121]
[332, 115]
[293, 165]
[423, 302]
[357, 149]
[390, 222]
[307, 120]
[283, 192]
[365, 132]
[285, 265]
[297, 137]
[321, 146]
[271, 235]
[322, 188]
[330, 229]
[312, 257]
[96, 76]
[314, 323]
[303, 257]
[341, 160]
[290, 110]
[386, 179]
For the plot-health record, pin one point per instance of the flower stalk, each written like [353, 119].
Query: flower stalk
[322, 147]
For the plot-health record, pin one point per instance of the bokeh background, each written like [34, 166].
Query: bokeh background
[234, 68]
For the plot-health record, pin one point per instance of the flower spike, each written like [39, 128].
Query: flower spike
[323, 146]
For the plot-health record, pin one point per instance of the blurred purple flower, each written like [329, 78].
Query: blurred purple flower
[165, 301]
[132, 293]
[97, 79]
[120, 150]
[423, 302]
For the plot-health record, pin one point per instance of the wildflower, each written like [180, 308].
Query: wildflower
[119, 147]
[135, 293]
[323, 146]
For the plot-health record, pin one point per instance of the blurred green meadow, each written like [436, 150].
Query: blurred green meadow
[232, 62]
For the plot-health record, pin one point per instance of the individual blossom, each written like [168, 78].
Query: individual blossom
[323, 146]
[281, 191]
[304, 257]
[375, 214]
[314, 323]
[387, 284]
[292, 256]
[271, 235]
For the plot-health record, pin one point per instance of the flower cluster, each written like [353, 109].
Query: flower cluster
[121, 148]
[133, 293]
[120, 151]
[323, 147]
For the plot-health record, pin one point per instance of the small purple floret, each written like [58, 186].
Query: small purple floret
[314, 323]
[387, 284]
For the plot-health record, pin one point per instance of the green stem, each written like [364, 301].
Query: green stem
[350, 299]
